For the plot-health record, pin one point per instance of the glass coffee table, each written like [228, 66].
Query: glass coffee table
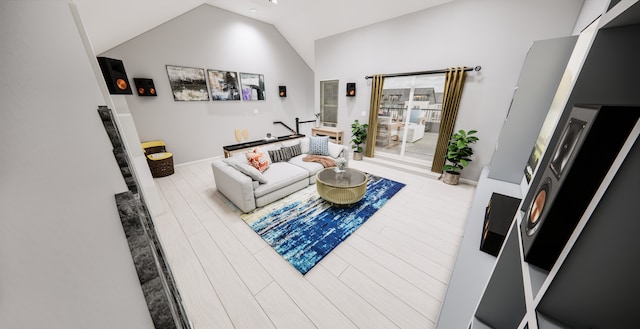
[341, 188]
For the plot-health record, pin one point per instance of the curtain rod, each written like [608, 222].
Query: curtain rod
[476, 68]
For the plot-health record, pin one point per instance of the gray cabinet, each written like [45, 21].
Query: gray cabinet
[593, 283]
[539, 79]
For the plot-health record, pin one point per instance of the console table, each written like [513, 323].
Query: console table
[334, 134]
[229, 150]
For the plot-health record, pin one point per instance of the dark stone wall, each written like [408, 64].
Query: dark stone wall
[156, 279]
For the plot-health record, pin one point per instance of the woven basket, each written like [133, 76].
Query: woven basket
[160, 164]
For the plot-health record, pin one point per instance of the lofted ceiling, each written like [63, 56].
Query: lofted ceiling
[301, 22]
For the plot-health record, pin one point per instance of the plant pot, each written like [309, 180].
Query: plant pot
[451, 178]
[357, 156]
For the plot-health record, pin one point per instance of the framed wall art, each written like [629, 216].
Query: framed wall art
[188, 83]
[224, 85]
[252, 86]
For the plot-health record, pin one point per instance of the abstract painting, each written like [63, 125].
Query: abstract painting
[252, 86]
[188, 83]
[224, 85]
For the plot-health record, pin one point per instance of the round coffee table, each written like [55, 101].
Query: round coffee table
[341, 188]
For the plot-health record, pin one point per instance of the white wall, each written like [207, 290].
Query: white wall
[591, 10]
[211, 38]
[494, 34]
[64, 258]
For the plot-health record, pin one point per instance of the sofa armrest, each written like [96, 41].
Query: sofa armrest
[236, 186]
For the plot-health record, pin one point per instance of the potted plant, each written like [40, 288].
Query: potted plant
[359, 136]
[317, 119]
[458, 155]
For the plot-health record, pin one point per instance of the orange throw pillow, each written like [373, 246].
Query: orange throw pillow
[258, 160]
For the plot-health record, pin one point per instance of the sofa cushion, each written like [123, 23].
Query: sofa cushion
[281, 193]
[335, 149]
[304, 145]
[319, 145]
[237, 158]
[279, 175]
[312, 167]
[250, 171]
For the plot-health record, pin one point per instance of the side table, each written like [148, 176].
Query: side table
[341, 188]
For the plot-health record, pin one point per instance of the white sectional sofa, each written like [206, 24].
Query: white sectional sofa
[248, 188]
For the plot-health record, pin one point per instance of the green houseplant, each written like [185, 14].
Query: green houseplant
[458, 155]
[359, 136]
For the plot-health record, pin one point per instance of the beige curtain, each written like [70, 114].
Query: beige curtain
[374, 107]
[453, 84]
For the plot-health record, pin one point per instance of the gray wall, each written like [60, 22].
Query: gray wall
[494, 34]
[212, 38]
[539, 79]
[64, 258]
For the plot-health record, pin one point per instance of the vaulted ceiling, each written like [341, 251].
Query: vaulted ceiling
[112, 22]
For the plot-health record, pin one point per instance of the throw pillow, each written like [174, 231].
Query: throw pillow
[250, 171]
[264, 149]
[294, 150]
[304, 145]
[319, 145]
[237, 158]
[258, 161]
[335, 149]
[280, 155]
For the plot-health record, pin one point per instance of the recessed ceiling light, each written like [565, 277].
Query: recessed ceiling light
[275, 2]
[253, 10]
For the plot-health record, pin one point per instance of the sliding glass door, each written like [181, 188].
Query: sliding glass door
[409, 117]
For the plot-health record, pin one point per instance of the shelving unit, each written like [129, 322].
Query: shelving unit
[593, 282]
[335, 134]
[503, 303]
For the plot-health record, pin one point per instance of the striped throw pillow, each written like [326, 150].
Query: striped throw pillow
[280, 155]
[294, 150]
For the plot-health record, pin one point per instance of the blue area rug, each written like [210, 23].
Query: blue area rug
[304, 228]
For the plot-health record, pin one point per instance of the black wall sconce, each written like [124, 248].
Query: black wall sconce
[282, 91]
[351, 89]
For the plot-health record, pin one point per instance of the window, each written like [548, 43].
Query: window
[329, 103]
[409, 116]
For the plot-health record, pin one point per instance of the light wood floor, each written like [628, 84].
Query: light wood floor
[422, 149]
[391, 273]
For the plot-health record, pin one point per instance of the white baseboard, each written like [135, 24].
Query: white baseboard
[197, 161]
